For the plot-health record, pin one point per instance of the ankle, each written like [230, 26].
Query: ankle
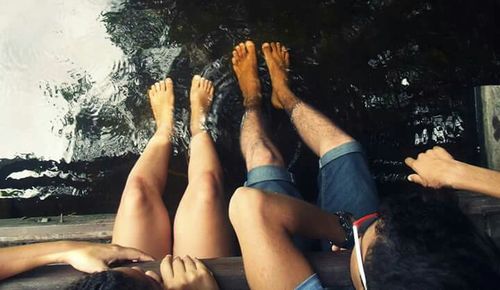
[289, 101]
[252, 101]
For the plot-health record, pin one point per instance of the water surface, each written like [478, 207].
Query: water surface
[397, 75]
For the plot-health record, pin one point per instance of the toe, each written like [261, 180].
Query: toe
[273, 46]
[243, 49]
[239, 51]
[203, 83]
[211, 91]
[287, 57]
[278, 46]
[162, 85]
[250, 46]
[196, 81]
[152, 89]
[157, 86]
[169, 84]
[234, 61]
[266, 48]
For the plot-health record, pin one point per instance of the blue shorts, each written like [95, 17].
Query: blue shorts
[311, 283]
[344, 182]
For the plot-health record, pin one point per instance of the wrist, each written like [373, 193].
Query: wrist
[63, 254]
[456, 175]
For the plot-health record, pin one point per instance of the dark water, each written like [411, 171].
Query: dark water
[397, 75]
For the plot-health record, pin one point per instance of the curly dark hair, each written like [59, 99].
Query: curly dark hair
[429, 244]
[108, 280]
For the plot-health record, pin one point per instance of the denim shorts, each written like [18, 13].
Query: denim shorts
[311, 283]
[344, 182]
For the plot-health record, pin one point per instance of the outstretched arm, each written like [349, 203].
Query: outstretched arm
[83, 256]
[436, 168]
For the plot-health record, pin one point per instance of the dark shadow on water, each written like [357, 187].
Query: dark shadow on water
[397, 75]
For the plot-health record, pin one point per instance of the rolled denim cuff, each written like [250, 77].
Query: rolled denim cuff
[347, 148]
[268, 173]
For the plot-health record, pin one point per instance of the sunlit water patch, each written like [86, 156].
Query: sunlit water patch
[67, 92]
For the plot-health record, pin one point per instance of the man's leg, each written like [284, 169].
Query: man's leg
[317, 131]
[264, 223]
[264, 162]
[257, 148]
[201, 227]
[142, 220]
[345, 182]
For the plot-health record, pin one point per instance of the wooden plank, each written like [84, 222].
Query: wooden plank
[478, 204]
[488, 117]
[87, 227]
[333, 269]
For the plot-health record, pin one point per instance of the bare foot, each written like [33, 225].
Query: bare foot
[278, 61]
[161, 97]
[202, 92]
[245, 66]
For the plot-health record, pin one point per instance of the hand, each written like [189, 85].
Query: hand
[186, 274]
[92, 257]
[433, 168]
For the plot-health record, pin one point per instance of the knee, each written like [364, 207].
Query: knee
[247, 205]
[262, 158]
[139, 194]
[208, 188]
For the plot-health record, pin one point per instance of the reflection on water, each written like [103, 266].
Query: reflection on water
[396, 74]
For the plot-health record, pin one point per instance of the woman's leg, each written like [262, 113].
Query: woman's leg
[142, 220]
[201, 226]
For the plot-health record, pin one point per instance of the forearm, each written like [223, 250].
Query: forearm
[473, 178]
[15, 260]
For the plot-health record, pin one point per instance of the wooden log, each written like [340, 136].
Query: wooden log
[45, 229]
[332, 268]
[488, 119]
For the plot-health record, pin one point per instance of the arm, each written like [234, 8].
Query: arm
[436, 168]
[83, 256]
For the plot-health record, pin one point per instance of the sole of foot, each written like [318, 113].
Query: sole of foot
[201, 96]
[245, 66]
[278, 61]
[161, 97]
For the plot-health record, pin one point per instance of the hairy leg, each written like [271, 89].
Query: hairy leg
[142, 220]
[264, 223]
[201, 226]
[257, 148]
[317, 131]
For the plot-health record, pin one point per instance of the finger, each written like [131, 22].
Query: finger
[178, 266]
[189, 264]
[442, 152]
[410, 162]
[200, 266]
[154, 275]
[415, 178]
[167, 272]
